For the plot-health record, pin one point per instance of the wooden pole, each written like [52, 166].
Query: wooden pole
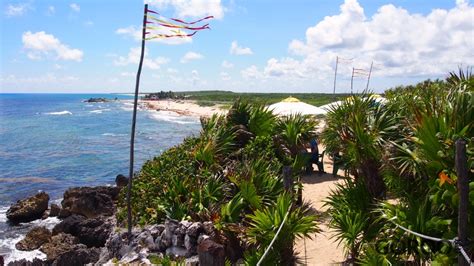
[352, 80]
[335, 77]
[368, 78]
[463, 190]
[132, 134]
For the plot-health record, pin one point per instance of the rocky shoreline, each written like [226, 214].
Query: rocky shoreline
[88, 233]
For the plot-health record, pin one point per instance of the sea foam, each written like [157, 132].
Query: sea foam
[66, 112]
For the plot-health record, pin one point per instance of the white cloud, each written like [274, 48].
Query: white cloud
[41, 44]
[88, 23]
[238, 50]
[251, 72]
[225, 76]
[35, 80]
[403, 44]
[192, 8]
[75, 7]
[190, 56]
[17, 10]
[133, 57]
[226, 64]
[136, 34]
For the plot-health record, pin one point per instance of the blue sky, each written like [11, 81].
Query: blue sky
[263, 45]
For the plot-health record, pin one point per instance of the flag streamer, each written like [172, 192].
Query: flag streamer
[155, 26]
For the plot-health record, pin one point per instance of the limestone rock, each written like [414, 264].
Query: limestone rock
[34, 239]
[29, 209]
[54, 210]
[79, 256]
[60, 244]
[90, 201]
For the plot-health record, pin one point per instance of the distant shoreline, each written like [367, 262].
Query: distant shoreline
[183, 107]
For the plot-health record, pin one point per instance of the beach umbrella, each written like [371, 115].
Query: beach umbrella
[292, 105]
[329, 106]
[378, 98]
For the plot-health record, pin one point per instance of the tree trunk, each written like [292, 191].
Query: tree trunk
[373, 180]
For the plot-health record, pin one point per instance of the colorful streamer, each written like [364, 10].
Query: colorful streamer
[163, 23]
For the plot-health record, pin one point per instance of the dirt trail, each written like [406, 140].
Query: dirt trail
[322, 249]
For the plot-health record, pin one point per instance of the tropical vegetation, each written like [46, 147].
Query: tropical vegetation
[231, 174]
[401, 158]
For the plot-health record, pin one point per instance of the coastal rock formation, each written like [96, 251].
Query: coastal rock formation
[68, 225]
[121, 180]
[96, 100]
[24, 262]
[29, 209]
[173, 238]
[34, 239]
[89, 201]
[78, 256]
[92, 232]
[54, 210]
[59, 245]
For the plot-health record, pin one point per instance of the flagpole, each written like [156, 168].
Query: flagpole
[368, 78]
[352, 79]
[132, 134]
[335, 76]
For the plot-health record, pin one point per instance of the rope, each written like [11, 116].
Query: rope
[454, 241]
[274, 238]
[464, 254]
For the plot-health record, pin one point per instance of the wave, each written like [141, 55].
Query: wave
[65, 112]
[113, 134]
[173, 117]
[98, 111]
[13, 254]
[8, 241]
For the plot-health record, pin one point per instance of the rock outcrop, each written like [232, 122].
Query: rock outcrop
[24, 262]
[34, 239]
[96, 100]
[29, 209]
[59, 245]
[54, 210]
[92, 232]
[89, 201]
[121, 180]
[79, 256]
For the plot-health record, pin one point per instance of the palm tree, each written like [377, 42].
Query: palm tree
[358, 129]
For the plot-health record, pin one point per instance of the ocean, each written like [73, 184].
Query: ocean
[50, 142]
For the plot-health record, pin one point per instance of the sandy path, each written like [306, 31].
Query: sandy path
[321, 250]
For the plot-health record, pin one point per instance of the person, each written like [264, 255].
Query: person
[314, 150]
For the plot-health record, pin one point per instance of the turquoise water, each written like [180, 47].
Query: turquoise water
[54, 141]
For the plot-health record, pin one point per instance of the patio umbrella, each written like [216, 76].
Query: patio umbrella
[292, 105]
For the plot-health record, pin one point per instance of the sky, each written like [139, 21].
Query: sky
[253, 45]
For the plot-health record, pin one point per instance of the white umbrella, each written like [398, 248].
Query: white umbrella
[292, 105]
[329, 106]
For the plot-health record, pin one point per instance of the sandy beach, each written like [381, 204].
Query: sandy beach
[184, 107]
